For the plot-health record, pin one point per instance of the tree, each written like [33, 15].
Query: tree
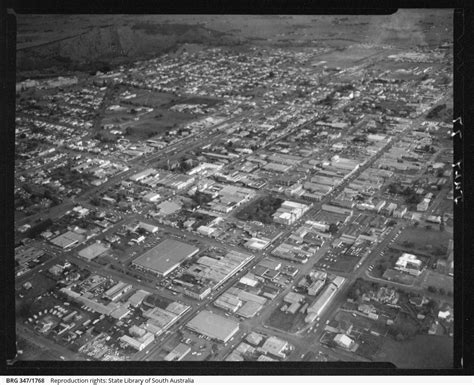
[432, 289]
[333, 228]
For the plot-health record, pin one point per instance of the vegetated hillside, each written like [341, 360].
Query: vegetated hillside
[442, 113]
[101, 47]
[96, 42]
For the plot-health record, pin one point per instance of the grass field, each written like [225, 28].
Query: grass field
[424, 240]
[151, 98]
[198, 100]
[422, 352]
[440, 281]
[148, 125]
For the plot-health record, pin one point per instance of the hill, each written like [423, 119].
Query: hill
[54, 43]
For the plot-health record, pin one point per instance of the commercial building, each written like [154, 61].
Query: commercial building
[213, 326]
[137, 298]
[68, 239]
[257, 243]
[178, 353]
[116, 291]
[269, 263]
[337, 209]
[317, 307]
[276, 167]
[249, 309]
[344, 341]
[165, 257]
[319, 226]
[143, 174]
[139, 343]
[293, 297]
[228, 302]
[217, 271]
[160, 317]
[289, 212]
[410, 264]
[275, 346]
[197, 291]
[93, 251]
[249, 280]
[112, 309]
[292, 253]
[147, 227]
[175, 181]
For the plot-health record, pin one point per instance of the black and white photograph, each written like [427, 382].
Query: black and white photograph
[235, 188]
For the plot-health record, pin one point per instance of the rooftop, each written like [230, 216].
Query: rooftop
[213, 326]
[166, 256]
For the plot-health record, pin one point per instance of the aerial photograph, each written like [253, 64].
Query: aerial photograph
[235, 188]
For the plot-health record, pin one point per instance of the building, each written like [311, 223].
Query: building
[165, 257]
[147, 227]
[116, 291]
[217, 270]
[249, 280]
[337, 209]
[213, 326]
[317, 307]
[151, 197]
[275, 346]
[257, 243]
[254, 338]
[316, 287]
[269, 263]
[206, 230]
[68, 239]
[319, 226]
[293, 297]
[228, 302]
[391, 208]
[410, 264]
[137, 298]
[143, 174]
[93, 251]
[139, 343]
[197, 291]
[289, 212]
[344, 341]
[423, 206]
[178, 353]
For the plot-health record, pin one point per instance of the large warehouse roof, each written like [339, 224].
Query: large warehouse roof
[213, 326]
[166, 256]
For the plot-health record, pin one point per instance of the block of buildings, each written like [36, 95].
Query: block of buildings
[289, 212]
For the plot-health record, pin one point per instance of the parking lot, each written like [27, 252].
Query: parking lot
[335, 260]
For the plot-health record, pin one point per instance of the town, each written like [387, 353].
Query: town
[248, 204]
